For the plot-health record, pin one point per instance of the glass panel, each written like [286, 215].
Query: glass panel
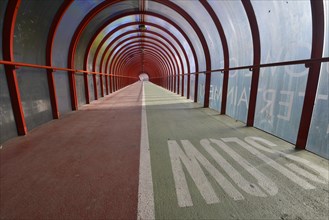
[7, 120]
[281, 89]
[235, 23]
[96, 22]
[215, 96]
[68, 24]
[280, 100]
[208, 29]
[318, 137]
[31, 31]
[112, 47]
[238, 94]
[97, 41]
[176, 45]
[185, 85]
[192, 86]
[103, 33]
[178, 35]
[182, 23]
[202, 80]
[170, 53]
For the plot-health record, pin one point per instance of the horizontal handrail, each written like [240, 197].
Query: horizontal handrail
[307, 63]
[11, 63]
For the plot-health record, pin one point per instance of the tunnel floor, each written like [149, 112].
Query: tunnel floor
[148, 153]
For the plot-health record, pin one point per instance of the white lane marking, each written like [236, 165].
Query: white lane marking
[321, 171]
[305, 173]
[267, 184]
[190, 161]
[145, 187]
[183, 195]
[290, 175]
[231, 171]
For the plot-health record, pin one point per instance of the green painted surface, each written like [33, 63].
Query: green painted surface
[171, 117]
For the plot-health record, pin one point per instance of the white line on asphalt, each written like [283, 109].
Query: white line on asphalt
[145, 188]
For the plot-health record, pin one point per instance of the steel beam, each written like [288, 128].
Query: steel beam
[255, 71]
[8, 54]
[313, 74]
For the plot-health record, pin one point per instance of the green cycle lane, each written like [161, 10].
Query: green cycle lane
[209, 166]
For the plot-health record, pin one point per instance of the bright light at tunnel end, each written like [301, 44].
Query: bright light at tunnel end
[144, 77]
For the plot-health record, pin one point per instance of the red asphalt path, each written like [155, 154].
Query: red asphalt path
[82, 166]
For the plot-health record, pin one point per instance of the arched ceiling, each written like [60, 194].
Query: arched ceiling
[186, 46]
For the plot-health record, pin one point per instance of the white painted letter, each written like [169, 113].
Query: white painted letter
[290, 97]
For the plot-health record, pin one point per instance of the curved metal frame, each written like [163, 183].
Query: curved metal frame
[8, 54]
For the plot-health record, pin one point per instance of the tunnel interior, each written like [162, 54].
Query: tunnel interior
[169, 68]
[262, 63]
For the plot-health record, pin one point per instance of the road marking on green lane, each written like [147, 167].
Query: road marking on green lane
[204, 169]
[192, 159]
[145, 187]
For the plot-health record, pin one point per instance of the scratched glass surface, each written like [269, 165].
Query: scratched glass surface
[235, 24]
[318, 139]
[281, 89]
[97, 22]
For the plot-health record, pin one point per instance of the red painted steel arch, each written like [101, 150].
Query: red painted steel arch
[165, 60]
[127, 51]
[8, 54]
[49, 50]
[157, 40]
[161, 59]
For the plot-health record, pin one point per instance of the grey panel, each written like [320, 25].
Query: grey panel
[104, 84]
[98, 85]
[318, 137]
[91, 88]
[31, 31]
[3, 6]
[7, 120]
[80, 89]
[68, 24]
[33, 87]
[62, 92]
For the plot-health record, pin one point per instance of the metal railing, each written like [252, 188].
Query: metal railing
[15, 64]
